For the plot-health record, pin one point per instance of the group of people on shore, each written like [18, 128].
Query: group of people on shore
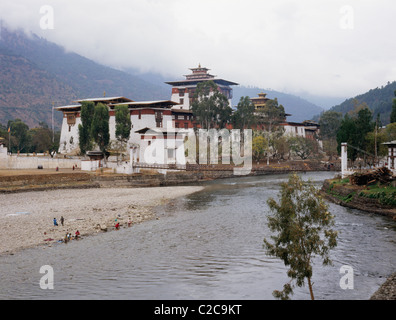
[68, 235]
[117, 225]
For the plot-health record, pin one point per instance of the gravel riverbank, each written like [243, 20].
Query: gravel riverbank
[387, 291]
[26, 218]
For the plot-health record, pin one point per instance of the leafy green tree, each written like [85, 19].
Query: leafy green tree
[364, 124]
[390, 132]
[100, 127]
[271, 115]
[243, 117]
[210, 106]
[303, 147]
[353, 130]
[281, 146]
[330, 122]
[301, 224]
[374, 142]
[259, 147]
[20, 139]
[123, 124]
[84, 129]
[348, 133]
[268, 119]
[41, 139]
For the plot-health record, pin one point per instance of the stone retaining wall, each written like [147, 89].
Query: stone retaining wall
[14, 161]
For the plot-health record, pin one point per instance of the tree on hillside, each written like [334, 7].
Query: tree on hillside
[379, 100]
[353, 130]
[376, 138]
[84, 129]
[364, 124]
[393, 113]
[302, 230]
[210, 106]
[100, 127]
[390, 132]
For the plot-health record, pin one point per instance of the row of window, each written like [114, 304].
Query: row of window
[177, 125]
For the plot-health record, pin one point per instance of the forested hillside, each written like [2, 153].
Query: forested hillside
[379, 100]
[35, 73]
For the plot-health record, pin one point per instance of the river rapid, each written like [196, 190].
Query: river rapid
[208, 245]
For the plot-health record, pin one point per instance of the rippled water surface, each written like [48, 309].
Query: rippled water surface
[208, 245]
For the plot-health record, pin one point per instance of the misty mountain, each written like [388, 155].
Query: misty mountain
[300, 109]
[379, 100]
[36, 73]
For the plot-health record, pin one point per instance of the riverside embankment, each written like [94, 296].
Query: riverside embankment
[48, 179]
[374, 199]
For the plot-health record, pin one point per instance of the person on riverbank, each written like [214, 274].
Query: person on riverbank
[55, 222]
[77, 235]
[62, 220]
[117, 226]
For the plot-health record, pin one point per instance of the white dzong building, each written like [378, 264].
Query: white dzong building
[145, 115]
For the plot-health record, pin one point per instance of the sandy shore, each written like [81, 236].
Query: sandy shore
[26, 219]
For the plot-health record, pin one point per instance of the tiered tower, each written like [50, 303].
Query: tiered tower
[183, 90]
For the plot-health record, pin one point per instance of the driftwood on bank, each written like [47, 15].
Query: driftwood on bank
[382, 175]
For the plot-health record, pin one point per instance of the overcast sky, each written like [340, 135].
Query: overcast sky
[323, 47]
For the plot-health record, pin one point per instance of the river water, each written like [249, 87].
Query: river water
[208, 245]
